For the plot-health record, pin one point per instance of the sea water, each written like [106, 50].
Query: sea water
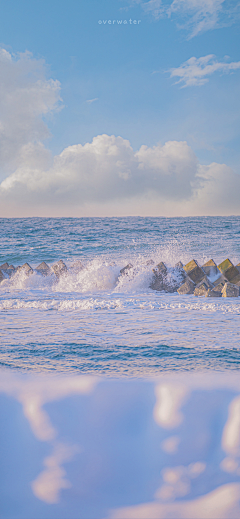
[96, 321]
[111, 397]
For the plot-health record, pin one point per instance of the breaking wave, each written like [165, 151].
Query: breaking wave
[96, 275]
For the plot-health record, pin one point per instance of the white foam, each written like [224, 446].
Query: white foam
[54, 304]
[122, 302]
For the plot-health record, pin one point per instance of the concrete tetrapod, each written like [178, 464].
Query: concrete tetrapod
[43, 269]
[167, 280]
[230, 290]
[219, 283]
[59, 268]
[210, 268]
[180, 271]
[160, 272]
[4, 266]
[10, 271]
[7, 270]
[203, 287]
[187, 287]
[194, 272]
[213, 293]
[124, 270]
[26, 268]
[76, 267]
[230, 272]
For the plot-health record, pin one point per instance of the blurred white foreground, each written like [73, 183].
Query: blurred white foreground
[85, 447]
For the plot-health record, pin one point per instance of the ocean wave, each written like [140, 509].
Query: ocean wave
[122, 303]
[97, 275]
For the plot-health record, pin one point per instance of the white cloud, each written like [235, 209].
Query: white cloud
[103, 170]
[155, 7]
[104, 177]
[217, 195]
[196, 16]
[202, 14]
[26, 96]
[90, 101]
[194, 71]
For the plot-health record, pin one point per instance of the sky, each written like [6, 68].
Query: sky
[119, 107]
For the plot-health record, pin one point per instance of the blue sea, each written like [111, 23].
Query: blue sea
[117, 401]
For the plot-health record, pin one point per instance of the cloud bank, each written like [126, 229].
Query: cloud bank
[193, 72]
[105, 177]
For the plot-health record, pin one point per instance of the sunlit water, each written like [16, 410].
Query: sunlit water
[96, 322]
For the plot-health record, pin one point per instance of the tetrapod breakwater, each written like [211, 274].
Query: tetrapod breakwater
[207, 280]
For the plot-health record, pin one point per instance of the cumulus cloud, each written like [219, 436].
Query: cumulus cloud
[196, 16]
[194, 71]
[106, 169]
[104, 177]
[108, 174]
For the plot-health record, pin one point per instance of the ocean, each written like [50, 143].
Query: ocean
[96, 321]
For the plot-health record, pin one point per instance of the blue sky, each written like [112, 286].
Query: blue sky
[123, 80]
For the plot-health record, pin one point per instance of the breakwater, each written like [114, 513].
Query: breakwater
[208, 280]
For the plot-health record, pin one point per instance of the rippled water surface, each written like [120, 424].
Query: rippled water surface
[94, 321]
